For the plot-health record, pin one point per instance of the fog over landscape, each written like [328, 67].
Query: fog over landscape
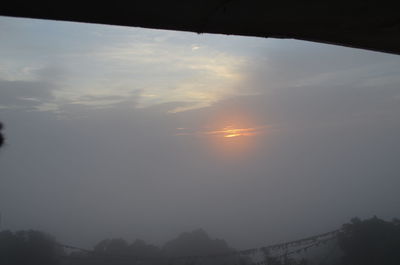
[136, 133]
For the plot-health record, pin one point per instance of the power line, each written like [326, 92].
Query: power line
[311, 241]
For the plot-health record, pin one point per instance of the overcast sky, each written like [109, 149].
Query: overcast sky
[137, 133]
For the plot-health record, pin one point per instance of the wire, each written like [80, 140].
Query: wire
[316, 240]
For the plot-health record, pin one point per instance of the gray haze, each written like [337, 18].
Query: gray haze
[114, 132]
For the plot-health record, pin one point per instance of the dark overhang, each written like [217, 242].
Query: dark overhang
[367, 24]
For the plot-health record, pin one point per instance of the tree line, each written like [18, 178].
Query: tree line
[361, 242]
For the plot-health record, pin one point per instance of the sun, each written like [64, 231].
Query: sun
[232, 131]
[232, 135]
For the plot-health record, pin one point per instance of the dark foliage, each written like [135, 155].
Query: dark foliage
[119, 252]
[370, 242]
[28, 248]
[285, 261]
[196, 243]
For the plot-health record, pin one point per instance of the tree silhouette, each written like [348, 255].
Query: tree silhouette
[369, 242]
[115, 247]
[28, 248]
[117, 251]
[195, 243]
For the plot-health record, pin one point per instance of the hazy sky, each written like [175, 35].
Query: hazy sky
[137, 133]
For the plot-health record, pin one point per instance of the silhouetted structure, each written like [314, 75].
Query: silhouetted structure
[1, 135]
[372, 24]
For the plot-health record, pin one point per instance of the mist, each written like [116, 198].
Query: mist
[114, 132]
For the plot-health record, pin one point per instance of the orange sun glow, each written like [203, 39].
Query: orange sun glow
[230, 132]
[231, 135]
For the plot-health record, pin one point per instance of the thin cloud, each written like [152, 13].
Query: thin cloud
[226, 132]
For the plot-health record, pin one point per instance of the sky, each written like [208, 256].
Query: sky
[137, 133]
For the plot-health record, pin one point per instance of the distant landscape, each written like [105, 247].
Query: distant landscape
[369, 241]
